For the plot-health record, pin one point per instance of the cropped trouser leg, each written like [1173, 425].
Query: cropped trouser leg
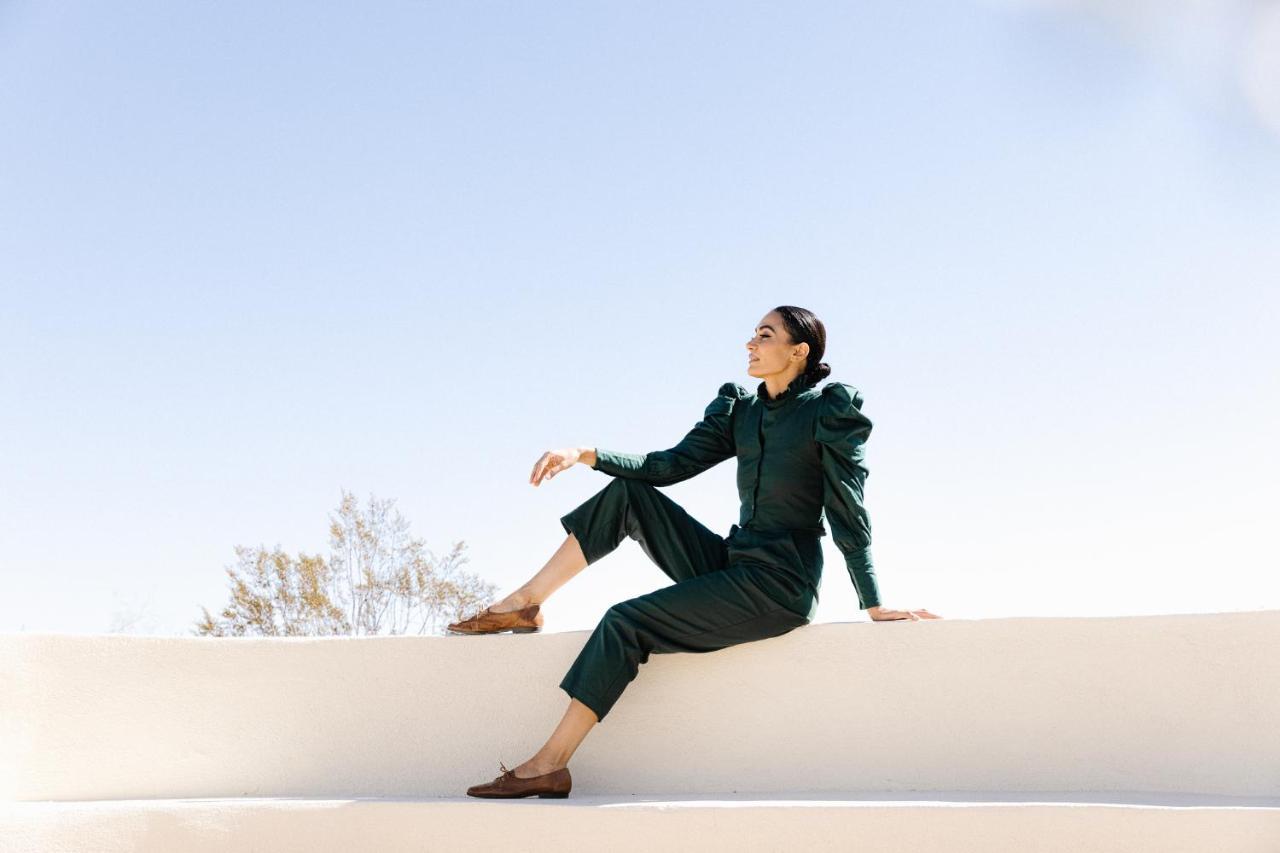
[712, 605]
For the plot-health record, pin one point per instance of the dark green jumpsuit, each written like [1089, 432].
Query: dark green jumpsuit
[798, 453]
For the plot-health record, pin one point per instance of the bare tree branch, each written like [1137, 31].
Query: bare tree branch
[377, 579]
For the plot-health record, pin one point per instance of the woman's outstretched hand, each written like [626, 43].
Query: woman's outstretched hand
[881, 614]
[553, 462]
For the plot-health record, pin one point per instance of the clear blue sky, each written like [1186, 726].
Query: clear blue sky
[253, 254]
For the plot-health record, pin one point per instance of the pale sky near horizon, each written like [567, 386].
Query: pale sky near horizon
[253, 255]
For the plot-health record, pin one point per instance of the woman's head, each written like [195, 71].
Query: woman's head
[789, 341]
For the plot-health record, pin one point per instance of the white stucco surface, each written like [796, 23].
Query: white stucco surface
[594, 823]
[1179, 703]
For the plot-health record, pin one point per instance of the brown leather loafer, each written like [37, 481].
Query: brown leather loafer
[527, 620]
[555, 784]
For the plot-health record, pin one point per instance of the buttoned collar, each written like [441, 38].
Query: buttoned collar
[799, 384]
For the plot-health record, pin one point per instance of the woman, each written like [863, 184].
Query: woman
[799, 450]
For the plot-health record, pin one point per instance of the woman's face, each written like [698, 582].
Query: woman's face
[770, 350]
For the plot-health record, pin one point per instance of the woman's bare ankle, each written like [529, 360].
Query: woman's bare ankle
[515, 601]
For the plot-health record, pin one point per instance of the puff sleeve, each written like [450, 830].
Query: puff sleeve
[708, 443]
[841, 430]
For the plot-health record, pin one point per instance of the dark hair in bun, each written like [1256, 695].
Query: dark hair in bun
[803, 326]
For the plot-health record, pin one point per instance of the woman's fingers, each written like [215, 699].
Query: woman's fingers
[903, 615]
[540, 470]
[894, 615]
[534, 476]
[548, 466]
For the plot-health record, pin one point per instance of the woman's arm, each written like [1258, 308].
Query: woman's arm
[841, 430]
[708, 443]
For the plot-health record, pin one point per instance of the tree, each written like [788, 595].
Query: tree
[377, 580]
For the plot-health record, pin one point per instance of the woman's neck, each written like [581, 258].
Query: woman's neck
[777, 384]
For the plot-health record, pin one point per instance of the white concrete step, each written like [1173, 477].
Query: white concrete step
[350, 744]
[1146, 703]
[955, 822]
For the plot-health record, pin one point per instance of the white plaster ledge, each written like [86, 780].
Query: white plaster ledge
[1163, 704]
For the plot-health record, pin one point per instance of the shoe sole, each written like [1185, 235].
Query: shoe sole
[503, 631]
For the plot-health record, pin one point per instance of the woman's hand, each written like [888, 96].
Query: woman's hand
[881, 614]
[553, 462]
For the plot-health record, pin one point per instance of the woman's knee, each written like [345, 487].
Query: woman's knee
[619, 621]
[631, 487]
[615, 618]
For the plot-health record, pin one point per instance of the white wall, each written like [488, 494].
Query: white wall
[1144, 703]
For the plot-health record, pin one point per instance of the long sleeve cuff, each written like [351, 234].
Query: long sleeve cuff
[618, 464]
[863, 574]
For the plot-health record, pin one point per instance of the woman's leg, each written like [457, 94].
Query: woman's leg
[740, 604]
[677, 542]
[705, 613]
[566, 562]
[559, 748]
